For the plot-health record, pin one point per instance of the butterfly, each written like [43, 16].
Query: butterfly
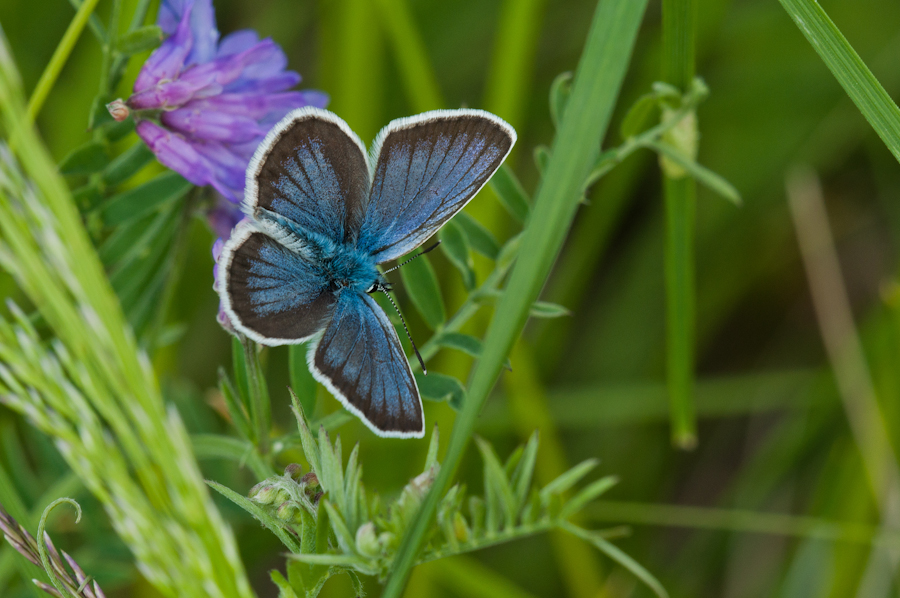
[322, 215]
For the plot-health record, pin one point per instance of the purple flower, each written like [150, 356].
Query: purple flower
[203, 104]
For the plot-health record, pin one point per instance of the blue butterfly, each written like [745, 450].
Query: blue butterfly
[323, 215]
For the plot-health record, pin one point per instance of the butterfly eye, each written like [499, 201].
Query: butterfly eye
[372, 288]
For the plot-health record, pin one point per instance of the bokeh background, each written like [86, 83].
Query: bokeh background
[773, 436]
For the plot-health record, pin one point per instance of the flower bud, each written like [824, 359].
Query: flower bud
[310, 480]
[367, 540]
[264, 494]
[294, 470]
[118, 110]
[290, 511]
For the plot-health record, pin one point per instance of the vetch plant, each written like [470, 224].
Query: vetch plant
[332, 525]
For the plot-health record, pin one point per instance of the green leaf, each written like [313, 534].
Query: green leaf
[127, 164]
[620, 557]
[637, 116]
[441, 387]
[234, 405]
[456, 247]
[274, 525]
[87, 197]
[422, 286]
[848, 68]
[139, 40]
[541, 158]
[433, 445]
[480, 238]
[495, 478]
[543, 309]
[510, 192]
[521, 478]
[137, 202]
[86, 159]
[466, 343]
[217, 446]
[310, 447]
[239, 367]
[345, 539]
[568, 479]
[302, 381]
[701, 174]
[588, 494]
[284, 588]
[560, 90]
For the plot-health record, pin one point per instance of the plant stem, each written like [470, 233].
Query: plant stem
[679, 23]
[597, 82]
[58, 60]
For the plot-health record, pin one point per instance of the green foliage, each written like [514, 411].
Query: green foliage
[362, 533]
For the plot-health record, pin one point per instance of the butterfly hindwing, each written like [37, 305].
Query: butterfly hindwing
[311, 169]
[271, 293]
[360, 360]
[427, 168]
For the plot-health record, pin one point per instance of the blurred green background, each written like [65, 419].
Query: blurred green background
[773, 436]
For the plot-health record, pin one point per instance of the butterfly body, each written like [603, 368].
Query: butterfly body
[323, 216]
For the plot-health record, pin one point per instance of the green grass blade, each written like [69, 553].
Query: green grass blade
[848, 68]
[419, 80]
[595, 91]
[59, 58]
[511, 64]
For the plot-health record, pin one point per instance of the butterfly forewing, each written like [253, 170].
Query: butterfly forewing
[427, 168]
[271, 293]
[311, 169]
[360, 359]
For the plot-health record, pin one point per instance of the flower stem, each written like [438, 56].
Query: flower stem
[679, 23]
[60, 55]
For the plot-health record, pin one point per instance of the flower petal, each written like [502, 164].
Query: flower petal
[168, 59]
[202, 24]
[175, 152]
[212, 125]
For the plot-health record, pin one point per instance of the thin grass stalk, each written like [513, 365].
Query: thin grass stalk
[59, 58]
[679, 25]
[576, 147]
[848, 68]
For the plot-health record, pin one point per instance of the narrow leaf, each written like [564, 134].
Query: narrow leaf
[422, 287]
[284, 588]
[543, 309]
[141, 39]
[588, 494]
[568, 479]
[510, 192]
[345, 539]
[274, 525]
[127, 164]
[560, 90]
[480, 238]
[701, 174]
[441, 387]
[495, 476]
[142, 200]
[302, 381]
[541, 158]
[521, 478]
[310, 447]
[620, 557]
[638, 115]
[86, 159]
[466, 343]
[233, 404]
[456, 247]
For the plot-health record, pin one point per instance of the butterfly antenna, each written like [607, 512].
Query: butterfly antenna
[420, 254]
[408, 335]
